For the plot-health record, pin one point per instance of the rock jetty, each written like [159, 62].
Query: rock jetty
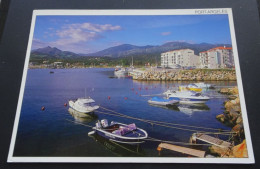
[232, 117]
[185, 75]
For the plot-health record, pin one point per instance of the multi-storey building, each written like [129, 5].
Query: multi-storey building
[219, 57]
[179, 58]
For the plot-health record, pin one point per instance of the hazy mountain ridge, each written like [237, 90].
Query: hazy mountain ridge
[126, 50]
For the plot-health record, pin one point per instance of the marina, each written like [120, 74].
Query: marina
[121, 100]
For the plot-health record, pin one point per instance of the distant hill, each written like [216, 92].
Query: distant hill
[127, 49]
[50, 52]
[124, 50]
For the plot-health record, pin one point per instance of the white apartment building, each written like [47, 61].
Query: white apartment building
[216, 58]
[179, 58]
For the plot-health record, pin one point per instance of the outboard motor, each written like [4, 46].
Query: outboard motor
[104, 123]
[98, 124]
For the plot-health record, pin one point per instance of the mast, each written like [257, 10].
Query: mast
[132, 62]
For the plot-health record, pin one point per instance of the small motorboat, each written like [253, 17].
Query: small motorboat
[188, 97]
[83, 105]
[190, 87]
[121, 133]
[162, 101]
[205, 85]
[120, 72]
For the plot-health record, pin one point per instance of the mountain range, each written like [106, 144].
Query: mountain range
[126, 50]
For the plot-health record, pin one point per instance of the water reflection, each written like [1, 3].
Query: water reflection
[169, 107]
[190, 109]
[124, 150]
[82, 117]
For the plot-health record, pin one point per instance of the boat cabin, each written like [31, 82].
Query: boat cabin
[86, 102]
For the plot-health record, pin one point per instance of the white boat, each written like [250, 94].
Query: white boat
[83, 105]
[188, 97]
[204, 85]
[162, 101]
[119, 132]
[121, 72]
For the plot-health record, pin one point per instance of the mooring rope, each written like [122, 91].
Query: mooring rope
[147, 139]
[165, 123]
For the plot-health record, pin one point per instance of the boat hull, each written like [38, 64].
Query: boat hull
[185, 88]
[190, 100]
[163, 103]
[114, 138]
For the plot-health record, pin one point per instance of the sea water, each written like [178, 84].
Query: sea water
[57, 131]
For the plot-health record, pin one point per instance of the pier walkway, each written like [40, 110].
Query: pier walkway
[213, 140]
[185, 150]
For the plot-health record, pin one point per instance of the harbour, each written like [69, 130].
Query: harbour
[49, 133]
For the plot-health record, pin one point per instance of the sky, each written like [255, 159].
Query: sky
[88, 34]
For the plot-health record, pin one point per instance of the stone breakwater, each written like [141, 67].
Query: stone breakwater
[185, 75]
[232, 117]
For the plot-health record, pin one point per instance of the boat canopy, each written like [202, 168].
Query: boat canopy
[86, 100]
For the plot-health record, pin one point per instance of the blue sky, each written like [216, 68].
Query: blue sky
[87, 34]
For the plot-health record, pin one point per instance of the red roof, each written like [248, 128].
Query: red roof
[222, 48]
[204, 52]
[219, 47]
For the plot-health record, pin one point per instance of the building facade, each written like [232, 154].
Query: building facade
[217, 58]
[179, 58]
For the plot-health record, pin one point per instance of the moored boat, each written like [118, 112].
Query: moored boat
[121, 133]
[205, 85]
[83, 105]
[188, 97]
[190, 87]
[120, 72]
[162, 101]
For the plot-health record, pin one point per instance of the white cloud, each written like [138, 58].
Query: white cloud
[165, 33]
[74, 37]
[99, 28]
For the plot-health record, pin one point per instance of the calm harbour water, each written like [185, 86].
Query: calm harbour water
[51, 132]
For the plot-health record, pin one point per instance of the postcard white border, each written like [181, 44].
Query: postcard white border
[228, 11]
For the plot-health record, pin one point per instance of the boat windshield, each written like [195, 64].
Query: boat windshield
[86, 104]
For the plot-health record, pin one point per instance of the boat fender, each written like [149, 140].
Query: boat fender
[91, 132]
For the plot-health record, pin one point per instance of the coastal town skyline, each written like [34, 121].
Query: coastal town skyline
[87, 34]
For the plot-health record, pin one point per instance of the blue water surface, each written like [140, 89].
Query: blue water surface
[52, 132]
